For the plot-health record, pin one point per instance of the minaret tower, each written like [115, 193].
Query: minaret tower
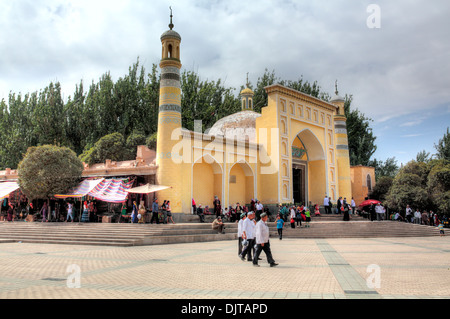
[342, 150]
[169, 119]
[247, 98]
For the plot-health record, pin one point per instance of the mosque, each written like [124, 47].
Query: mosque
[294, 151]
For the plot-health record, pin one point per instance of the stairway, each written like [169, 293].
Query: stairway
[108, 234]
[115, 234]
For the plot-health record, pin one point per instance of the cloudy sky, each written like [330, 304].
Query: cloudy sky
[394, 61]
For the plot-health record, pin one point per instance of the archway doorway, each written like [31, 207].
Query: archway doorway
[309, 181]
[207, 180]
[241, 184]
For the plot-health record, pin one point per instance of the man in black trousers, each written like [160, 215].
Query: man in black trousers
[262, 242]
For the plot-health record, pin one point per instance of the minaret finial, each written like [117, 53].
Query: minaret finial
[336, 85]
[247, 80]
[171, 16]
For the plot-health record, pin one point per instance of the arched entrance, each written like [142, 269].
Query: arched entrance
[308, 168]
[241, 186]
[207, 180]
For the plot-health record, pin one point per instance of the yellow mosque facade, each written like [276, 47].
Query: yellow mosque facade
[294, 151]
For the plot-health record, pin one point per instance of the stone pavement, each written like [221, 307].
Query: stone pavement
[378, 268]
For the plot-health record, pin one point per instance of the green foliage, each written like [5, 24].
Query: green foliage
[48, 170]
[438, 184]
[207, 101]
[410, 187]
[151, 141]
[361, 141]
[443, 147]
[382, 188]
[388, 167]
[111, 146]
[423, 156]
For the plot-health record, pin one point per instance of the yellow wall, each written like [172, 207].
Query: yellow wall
[316, 181]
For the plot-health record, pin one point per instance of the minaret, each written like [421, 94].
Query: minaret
[169, 119]
[342, 150]
[247, 98]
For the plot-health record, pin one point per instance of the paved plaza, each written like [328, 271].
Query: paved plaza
[379, 268]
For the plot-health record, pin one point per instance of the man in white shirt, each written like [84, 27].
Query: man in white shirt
[262, 242]
[380, 211]
[353, 204]
[408, 213]
[240, 226]
[259, 209]
[326, 205]
[248, 232]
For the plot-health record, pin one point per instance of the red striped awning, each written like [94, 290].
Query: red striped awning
[82, 189]
[112, 190]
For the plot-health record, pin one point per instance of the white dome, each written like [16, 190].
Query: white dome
[240, 126]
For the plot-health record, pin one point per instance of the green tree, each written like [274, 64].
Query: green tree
[410, 187]
[389, 167]
[48, 170]
[133, 141]
[381, 188]
[361, 140]
[438, 185]
[423, 156]
[111, 146]
[443, 146]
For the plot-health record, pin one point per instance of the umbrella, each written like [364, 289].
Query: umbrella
[369, 202]
[147, 189]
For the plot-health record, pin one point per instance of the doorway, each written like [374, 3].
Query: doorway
[299, 183]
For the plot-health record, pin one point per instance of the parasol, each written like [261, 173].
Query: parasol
[147, 189]
[369, 202]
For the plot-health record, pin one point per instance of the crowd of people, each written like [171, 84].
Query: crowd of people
[49, 211]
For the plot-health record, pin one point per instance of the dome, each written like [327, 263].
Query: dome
[337, 98]
[170, 34]
[240, 126]
[247, 91]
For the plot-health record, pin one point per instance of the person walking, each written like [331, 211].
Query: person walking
[155, 211]
[262, 242]
[69, 212]
[169, 212]
[248, 233]
[441, 228]
[164, 211]
[280, 224]
[240, 227]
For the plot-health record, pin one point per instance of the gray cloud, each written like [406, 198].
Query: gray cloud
[392, 72]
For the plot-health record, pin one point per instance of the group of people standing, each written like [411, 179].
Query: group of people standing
[417, 217]
[231, 213]
[342, 206]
